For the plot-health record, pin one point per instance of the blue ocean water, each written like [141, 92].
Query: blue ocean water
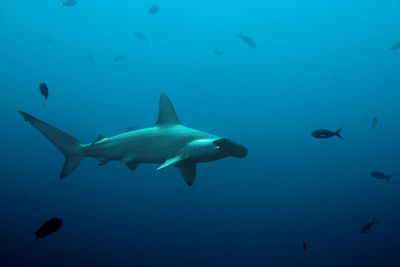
[318, 64]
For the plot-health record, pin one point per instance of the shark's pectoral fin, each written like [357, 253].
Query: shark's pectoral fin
[132, 165]
[188, 170]
[171, 161]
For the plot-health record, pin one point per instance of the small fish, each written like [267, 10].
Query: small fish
[218, 52]
[396, 46]
[304, 245]
[337, 79]
[91, 59]
[48, 41]
[119, 58]
[380, 175]
[322, 133]
[374, 122]
[368, 225]
[49, 227]
[141, 36]
[68, 3]
[28, 201]
[249, 41]
[154, 9]
[44, 91]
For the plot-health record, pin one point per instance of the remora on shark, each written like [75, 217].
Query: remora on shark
[167, 142]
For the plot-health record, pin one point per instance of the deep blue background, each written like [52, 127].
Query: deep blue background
[318, 64]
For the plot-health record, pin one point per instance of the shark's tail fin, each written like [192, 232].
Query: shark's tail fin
[387, 178]
[337, 133]
[62, 3]
[374, 221]
[68, 145]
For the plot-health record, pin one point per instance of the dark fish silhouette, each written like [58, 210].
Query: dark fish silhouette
[380, 175]
[119, 58]
[68, 3]
[368, 225]
[337, 78]
[154, 9]
[141, 36]
[374, 122]
[249, 41]
[91, 59]
[322, 133]
[48, 41]
[44, 91]
[49, 227]
[28, 202]
[304, 245]
[218, 52]
[396, 46]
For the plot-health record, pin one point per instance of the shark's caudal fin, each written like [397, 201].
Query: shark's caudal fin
[374, 221]
[166, 113]
[68, 145]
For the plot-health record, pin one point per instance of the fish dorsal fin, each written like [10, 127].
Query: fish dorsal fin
[188, 170]
[100, 137]
[166, 113]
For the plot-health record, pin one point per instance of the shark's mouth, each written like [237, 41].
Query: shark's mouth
[231, 148]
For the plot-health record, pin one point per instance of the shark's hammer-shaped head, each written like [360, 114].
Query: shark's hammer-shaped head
[206, 149]
[231, 148]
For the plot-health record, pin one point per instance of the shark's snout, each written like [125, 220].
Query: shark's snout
[231, 148]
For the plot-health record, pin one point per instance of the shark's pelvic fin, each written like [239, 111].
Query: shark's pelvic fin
[68, 145]
[188, 170]
[166, 112]
[171, 161]
[132, 165]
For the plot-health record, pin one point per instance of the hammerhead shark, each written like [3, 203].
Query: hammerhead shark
[168, 143]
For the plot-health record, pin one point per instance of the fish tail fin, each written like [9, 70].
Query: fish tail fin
[239, 35]
[44, 103]
[62, 3]
[337, 133]
[387, 178]
[374, 221]
[68, 145]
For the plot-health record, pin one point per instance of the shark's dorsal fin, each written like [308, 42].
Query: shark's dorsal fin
[166, 112]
